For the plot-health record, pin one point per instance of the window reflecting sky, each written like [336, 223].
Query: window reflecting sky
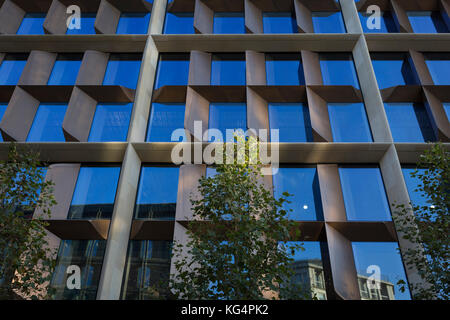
[292, 120]
[364, 194]
[173, 70]
[279, 22]
[32, 24]
[303, 184]
[328, 22]
[393, 69]
[229, 23]
[228, 69]
[223, 116]
[122, 70]
[111, 122]
[65, 71]
[447, 109]
[409, 122]
[338, 69]
[179, 23]
[427, 21]
[284, 69]
[3, 107]
[387, 23]
[349, 122]
[164, 119]
[439, 66]
[10, 70]
[133, 23]
[417, 197]
[385, 255]
[86, 23]
[47, 124]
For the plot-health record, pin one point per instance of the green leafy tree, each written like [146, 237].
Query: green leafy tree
[26, 260]
[428, 226]
[237, 247]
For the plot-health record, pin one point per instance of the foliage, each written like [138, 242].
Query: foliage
[429, 226]
[26, 260]
[237, 246]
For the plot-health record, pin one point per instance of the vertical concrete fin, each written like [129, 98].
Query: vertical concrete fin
[203, 18]
[107, 18]
[197, 109]
[19, 116]
[253, 18]
[320, 118]
[304, 17]
[38, 68]
[257, 113]
[438, 116]
[331, 192]
[189, 177]
[79, 115]
[311, 67]
[421, 67]
[351, 17]
[255, 68]
[11, 16]
[402, 17]
[93, 68]
[56, 19]
[64, 177]
[200, 68]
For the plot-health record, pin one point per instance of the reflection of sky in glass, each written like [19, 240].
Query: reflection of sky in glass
[292, 120]
[110, 122]
[164, 119]
[447, 109]
[223, 116]
[349, 122]
[384, 255]
[96, 185]
[173, 70]
[158, 185]
[312, 250]
[47, 124]
[417, 197]
[229, 23]
[392, 69]
[228, 70]
[122, 71]
[64, 72]
[427, 22]
[86, 23]
[10, 71]
[328, 22]
[440, 70]
[32, 24]
[284, 69]
[279, 22]
[387, 24]
[303, 184]
[364, 194]
[338, 69]
[133, 23]
[409, 122]
[3, 107]
[179, 23]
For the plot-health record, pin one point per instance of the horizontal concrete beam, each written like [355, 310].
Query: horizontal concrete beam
[408, 41]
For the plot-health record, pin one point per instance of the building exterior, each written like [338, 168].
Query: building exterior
[354, 107]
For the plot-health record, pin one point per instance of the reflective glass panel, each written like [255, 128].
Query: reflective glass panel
[447, 109]
[228, 70]
[393, 69]
[11, 69]
[3, 107]
[279, 22]
[328, 22]
[123, 70]
[111, 122]
[292, 120]
[165, 118]
[417, 197]
[32, 24]
[338, 69]
[87, 22]
[439, 67]
[133, 23]
[387, 23]
[65, 71]
[47, 124]
[179, 23]
[226, 116]
[349, 122]
[173, 70]
[229, 22]
[284, 69]
[427, 22]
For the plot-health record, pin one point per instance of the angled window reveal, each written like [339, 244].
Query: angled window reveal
[292, 120]
[284, 69]
[47, 124]
[173, 70]
[157, 193]
[123, 70]
[328, 22]
[279, 22]
[228, 69]
[349, 122]
[394, 69]
[226, 116]
[133, 23]
[229, 23]
[32, 24]
[165, 118]
[111, 122]
[179, 23]
[338, 69]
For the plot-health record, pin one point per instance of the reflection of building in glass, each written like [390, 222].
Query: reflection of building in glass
[310, 274]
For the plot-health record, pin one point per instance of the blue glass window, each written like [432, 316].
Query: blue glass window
[284, 69]
[229, 23]
[133, 23]
[147, 270]
[292, 120]
[165, 118]
[364, 194]
[47, 124]
[179, 23]
[227, 116]
[173, 70]
[427, 22]
[447, 109]
[303, 184]
[228, 70]
[3, 107]
[123, 70]
[328, 22]
[111, 122]
[386, 256]
[439, 66]
[338, 69]
[157, 193]
[94, 193]
[279, 22]
[409, 122]
[65, 71]
[32, 24]
[387, 23]
[87, 22]
[418, 198]
[393, 69]
[11, 69]
[86, 254]
[349, 122]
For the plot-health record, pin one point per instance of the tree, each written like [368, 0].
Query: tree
[27, 261]
[428, 226]
[237, 247]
